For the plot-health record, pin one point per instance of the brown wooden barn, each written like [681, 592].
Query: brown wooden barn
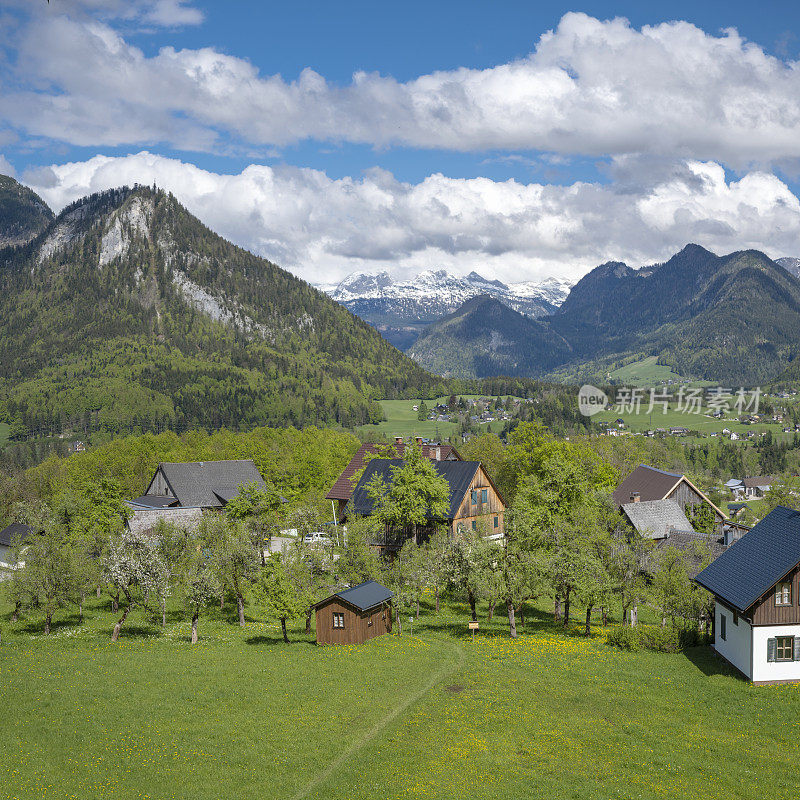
[354, 615]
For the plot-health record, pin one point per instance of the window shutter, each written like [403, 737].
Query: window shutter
[797, 648]
[771, 645]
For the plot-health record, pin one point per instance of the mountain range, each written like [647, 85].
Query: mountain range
[733, 319]
[401, 310]
[125, 310]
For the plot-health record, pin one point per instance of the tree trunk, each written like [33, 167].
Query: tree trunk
[240, 606]
[98, 592]
[625, 607]
[163, 612]
[663, 621]
[80, 609]
[491, 611]
[566, 608]
[472, 606]
[512, 622]
[195, 617]
[589, 620]
[115, 634]
[47, 620]
[283, 630]
[399, 621]
[604, 612]
[222, 600]
[115, 603]
[417, 608]
[634, 616]
[557, 609]
[436, 595]
[308, 621]
[15, 615]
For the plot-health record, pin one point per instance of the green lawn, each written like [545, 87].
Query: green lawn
[646, 372]
[401, 420]
[434, 716]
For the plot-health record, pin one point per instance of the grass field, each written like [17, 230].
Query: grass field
[401, 420]
[550, 715]
[646, 372]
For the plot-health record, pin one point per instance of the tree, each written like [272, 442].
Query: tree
[422, 414]
[47, 580]
[236, 555]
[275, 590]
[518, 576]
[468, 567]
[257, 508]
[359, 561]
[437, 561]
[703, 518]
[416, 496]
[200, 582]
[136, 568]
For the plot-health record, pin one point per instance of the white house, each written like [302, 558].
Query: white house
[756, 587]
[10, 537]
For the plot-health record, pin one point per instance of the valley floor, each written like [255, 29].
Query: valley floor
[435, 715]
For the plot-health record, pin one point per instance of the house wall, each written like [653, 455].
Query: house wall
[482, 513]
[144, 519]
[766, 671]
[359, 626]
[686, 497]
[738, 639]
[765, 612]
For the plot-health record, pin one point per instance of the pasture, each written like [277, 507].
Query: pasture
[551, 715]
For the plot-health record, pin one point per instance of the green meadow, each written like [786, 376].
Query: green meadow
[433, 715]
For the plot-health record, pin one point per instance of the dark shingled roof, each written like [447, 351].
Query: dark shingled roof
[458, 474]
[753, 565]
[209, 484]
[343, 488]
[154, 501]
[649, 482]
[364, 596]
[16, 531]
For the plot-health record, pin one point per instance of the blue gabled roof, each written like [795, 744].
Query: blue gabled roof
[364, 596]
[753, 565]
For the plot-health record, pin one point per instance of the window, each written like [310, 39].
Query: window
[474, 496]
[338, 620]
[735, 618]
[497, 522]
[484, 495]
[783, 594]
[784, 648]
[722, 627]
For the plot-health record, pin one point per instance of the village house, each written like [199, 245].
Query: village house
[474, 504]
[342, 490]
[756, 588]
[646, 484]
[10, 537]
[181, 492]
[354, 615]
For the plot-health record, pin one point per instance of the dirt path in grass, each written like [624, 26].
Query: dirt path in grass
[371, 734]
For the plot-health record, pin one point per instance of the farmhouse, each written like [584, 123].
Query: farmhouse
[342, 490]
[648, 483]
[180, 492]
[757, 486]
[756, 588]
[9, 538]
[474, 503]
[354, 615]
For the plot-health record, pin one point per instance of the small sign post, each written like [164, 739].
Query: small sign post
[473, 626]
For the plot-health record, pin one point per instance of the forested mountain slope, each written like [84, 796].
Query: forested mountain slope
[127, 310]
[23, 214]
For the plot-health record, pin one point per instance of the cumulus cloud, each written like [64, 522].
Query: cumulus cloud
[6, 167]
[588, 87]
[323, 229]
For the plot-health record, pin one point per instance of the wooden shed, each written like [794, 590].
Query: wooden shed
[354, 615]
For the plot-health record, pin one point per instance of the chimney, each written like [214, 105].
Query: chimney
[438, 453]
[635, 497]
[398, 440]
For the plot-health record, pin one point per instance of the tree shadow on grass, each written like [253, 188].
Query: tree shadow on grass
[709, 663]
[137, 632]
[262, 638]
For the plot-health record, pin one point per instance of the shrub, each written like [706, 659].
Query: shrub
[650, 637]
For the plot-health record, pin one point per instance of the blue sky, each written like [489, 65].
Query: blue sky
[521, 139]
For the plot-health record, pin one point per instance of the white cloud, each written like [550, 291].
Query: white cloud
[322, 229]
[589, 87]
[6, 167]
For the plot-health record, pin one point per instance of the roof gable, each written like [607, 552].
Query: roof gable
[458, 474]
[650, 484]
[15, 532]
[363, 597]
[754, 564]
[208, 484]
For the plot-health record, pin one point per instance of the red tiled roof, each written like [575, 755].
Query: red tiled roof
[343, 488]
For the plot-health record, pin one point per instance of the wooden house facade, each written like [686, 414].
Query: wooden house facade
[355, 615]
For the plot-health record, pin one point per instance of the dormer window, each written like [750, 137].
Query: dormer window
[783, 594]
